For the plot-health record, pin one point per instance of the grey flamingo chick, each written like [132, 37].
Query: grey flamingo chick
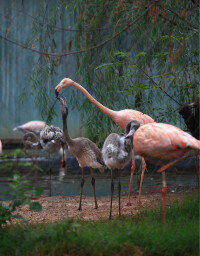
[117, 151]
[85, 151]
[51, 140]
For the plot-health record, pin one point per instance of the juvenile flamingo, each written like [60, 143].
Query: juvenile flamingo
[116, 153]
[166, 142]
[121, 118]
[85, 151]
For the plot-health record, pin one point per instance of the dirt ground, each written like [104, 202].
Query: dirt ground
[54, 208]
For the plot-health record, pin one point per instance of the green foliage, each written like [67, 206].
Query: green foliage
[13, 165]
[137, 55]
[22, 190]
[143, 234]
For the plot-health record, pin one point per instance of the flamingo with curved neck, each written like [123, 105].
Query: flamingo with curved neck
[121, 118]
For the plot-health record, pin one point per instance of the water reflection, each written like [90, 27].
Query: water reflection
[66, 182]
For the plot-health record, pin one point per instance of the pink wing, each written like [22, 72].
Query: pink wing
[34, 125]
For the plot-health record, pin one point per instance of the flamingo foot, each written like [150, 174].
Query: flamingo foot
[128, 203]
[63, 163]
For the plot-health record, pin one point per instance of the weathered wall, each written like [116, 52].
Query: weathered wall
[16, 64]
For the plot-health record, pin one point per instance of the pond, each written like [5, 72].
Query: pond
[66, 181]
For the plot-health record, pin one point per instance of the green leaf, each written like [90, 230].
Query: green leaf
[141, 54]
[104, 65]
[37, 192]
[120, 54]
[35, 206]
[54, 43]
[20, 217]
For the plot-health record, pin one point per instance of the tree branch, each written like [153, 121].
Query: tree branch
[75, 52]
[169, 10]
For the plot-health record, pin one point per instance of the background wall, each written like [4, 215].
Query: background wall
[16, 64]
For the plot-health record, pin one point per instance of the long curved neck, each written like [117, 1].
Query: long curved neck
[68, 139]
[104, 109]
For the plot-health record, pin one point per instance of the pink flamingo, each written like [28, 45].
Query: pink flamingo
[121, 118]
[166, 142]
[31, 128]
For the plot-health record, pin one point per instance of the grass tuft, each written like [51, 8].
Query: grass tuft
[143, 234]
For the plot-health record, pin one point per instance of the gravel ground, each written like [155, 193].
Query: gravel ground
[56, 207]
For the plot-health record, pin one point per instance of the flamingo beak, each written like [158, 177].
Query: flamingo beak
[58, 89]
[130, 134]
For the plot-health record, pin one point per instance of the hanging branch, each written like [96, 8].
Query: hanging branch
[75, 52]
[157, 85]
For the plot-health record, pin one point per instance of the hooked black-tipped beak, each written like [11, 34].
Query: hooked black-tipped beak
[130, 134]
[56, 93]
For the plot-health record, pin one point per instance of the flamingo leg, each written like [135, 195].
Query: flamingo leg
[111, 190]
[25, 152]
[36, 155]
[93, 185]
[197, 169]
[82, 184]
[131, 178]
[164, 191]
[141, 180]
[164, 188]
[119, 192]
[63, 163]
[167, 166]
[50, 178]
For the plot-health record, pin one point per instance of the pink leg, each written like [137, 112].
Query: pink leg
[141, 180]
[131, 178]
[167, 166]
[24, 150]
[164, 190]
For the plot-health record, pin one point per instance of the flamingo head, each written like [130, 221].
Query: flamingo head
[66, 82]
[63, 104]
[131, 128]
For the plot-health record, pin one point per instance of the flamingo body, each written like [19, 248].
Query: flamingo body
[125, 116]
[116, 153]
[166, 142]
[86, 152]
[163, 141]
[32, 126]
[51, 138]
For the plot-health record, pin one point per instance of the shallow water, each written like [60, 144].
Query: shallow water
[66, 182]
